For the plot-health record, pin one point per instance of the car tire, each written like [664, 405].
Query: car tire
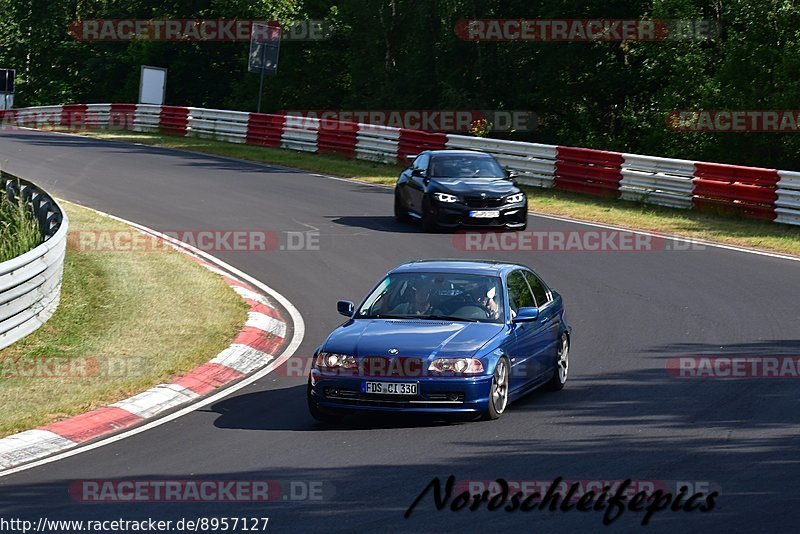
[428, 219]
[400, 212]
[560, 373]
[317, 413]
[498, 391]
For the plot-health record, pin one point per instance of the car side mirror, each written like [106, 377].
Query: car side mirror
[511, 174]
[346, 308]
[526, 315]
[420, 173]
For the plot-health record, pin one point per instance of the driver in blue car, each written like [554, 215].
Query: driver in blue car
[419, 302]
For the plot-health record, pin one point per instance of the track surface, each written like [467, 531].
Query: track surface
[621, 416]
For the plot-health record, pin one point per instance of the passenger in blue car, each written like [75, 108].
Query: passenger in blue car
[485, 295]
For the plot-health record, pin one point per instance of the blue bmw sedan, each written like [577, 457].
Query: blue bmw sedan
[443, 337]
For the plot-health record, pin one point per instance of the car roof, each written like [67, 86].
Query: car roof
[484, 267]
[434, 153]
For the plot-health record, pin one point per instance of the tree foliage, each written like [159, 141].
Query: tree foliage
[402, 54]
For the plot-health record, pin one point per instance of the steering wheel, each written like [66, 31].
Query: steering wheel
[472, 311]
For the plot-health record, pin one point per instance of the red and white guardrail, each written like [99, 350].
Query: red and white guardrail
[748, 191]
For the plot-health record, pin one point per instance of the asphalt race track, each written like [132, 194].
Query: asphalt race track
[621, 415]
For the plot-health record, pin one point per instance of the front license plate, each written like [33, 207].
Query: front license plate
[484, 214]
[391, 388]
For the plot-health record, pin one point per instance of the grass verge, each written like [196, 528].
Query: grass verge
[127, 321]
[19, 230]
[730, 230]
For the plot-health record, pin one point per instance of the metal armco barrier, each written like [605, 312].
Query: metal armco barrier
[749, 191]
[593, 172]
[662, 181]
[787, 207]
[337, 137]
[230, 126]
[30, 284]
[377, 143]
[264, 130]
[73, 115]
[173, 120]
[96, 116]
[121, 116]
[147, 118]
[534, 163]
[300, 133]
[413, 142]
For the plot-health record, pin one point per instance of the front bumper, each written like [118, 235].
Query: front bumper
[436, 395]
[456, 214]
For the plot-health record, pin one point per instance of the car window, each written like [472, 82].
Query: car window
[465, 166]
[519, 294]
[436, 296]
[421, 162]
[538, 288]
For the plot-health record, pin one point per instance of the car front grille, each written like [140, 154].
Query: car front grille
[478, 202]
[350, 396]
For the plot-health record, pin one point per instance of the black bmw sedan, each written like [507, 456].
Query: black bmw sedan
[459, 188]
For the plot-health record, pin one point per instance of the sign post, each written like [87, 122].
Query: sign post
[152, 85]
[7, 80]
[265, 43]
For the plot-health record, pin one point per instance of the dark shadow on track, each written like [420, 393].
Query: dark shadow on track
[755, 349]
[293, 415]
[113, 146]
[378, 223]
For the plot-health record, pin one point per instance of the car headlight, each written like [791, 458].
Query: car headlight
[467, 366]
[330, 360]
[444, 197]
[513, 199]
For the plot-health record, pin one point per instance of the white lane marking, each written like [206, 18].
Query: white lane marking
[156, 400]
[671, 237]
[680, 239]
[298, 332]
[242, 358]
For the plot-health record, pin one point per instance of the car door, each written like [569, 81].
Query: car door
[523, 349]
[550, 325]
[416, 184]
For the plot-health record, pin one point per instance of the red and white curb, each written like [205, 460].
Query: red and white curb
[261, 341]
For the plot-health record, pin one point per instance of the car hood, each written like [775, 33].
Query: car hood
[413, 338]
[465, 186]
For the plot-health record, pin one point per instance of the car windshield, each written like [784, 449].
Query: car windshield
[465, 166]
[436, 296]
